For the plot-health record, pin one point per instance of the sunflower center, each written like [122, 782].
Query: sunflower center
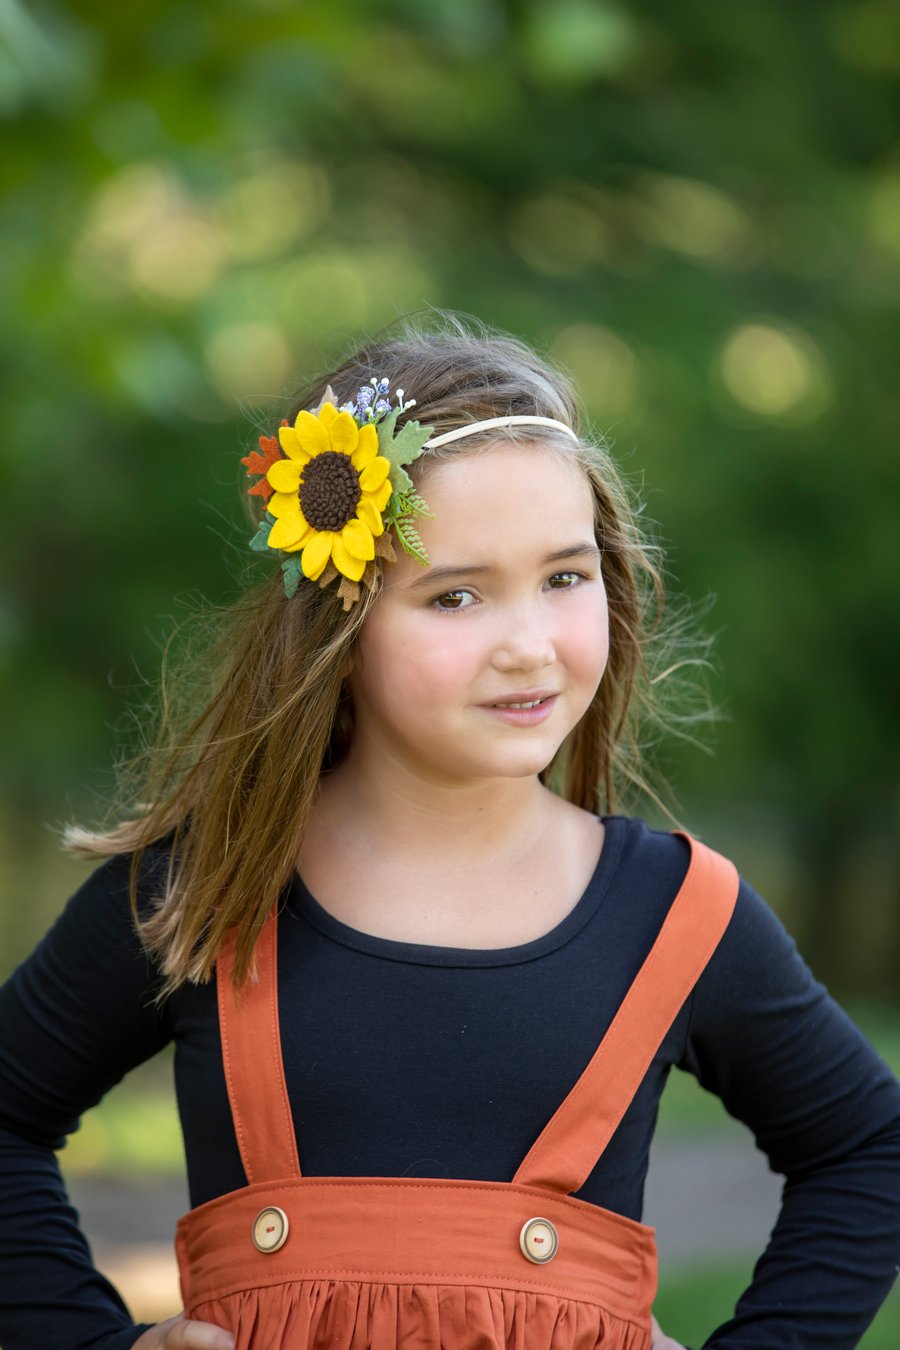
[330, 491]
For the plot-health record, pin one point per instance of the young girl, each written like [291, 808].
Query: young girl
[424, 996]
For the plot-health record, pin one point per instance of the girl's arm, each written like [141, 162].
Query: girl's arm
[74, 1018]
[767, 1039]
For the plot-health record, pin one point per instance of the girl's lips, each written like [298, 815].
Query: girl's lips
[524, 717]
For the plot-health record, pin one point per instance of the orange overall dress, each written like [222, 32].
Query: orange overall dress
[348, 1263]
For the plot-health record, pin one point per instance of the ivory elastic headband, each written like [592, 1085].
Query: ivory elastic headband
[499, 422]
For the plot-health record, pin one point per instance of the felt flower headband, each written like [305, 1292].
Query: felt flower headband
[335, 481]
[332, 483]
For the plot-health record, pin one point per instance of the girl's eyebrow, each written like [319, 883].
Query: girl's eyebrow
[435, 574]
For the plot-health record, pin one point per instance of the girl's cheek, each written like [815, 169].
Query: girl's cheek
[443, 670]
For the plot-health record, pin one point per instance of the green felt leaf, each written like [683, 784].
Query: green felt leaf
[409, 442]
[385, 429]
[400, 480]
[293, 575]
[260, 541]
[406, 445]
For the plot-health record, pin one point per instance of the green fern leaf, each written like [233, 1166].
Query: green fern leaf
[409, 538]
[415, 505]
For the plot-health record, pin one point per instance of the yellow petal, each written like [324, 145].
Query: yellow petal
[283, 504]
[370, 516]
[344, 433]
[317, 553]
[345, 562]
[381, 496]
[367, 447]
[374, 474]
[301, 542]
[291, 446]
[358, 540]
[327, 413]
[288, 531]
[284, 475]
[311, 434]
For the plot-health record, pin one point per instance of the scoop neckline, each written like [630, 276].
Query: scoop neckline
[301, 903]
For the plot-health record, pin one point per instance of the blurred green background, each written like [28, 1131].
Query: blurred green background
[694, 208]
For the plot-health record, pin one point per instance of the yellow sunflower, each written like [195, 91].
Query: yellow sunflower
[329, 492]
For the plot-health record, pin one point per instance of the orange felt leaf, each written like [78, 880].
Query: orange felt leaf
[261, 464]
[257, 463]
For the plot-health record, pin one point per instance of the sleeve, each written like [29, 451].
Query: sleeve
[74, 1018]
[784, 1058]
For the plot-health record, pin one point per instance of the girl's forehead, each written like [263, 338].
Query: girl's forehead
[508, 506]
[507, 472]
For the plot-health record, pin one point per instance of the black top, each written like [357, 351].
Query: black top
[411, 1060]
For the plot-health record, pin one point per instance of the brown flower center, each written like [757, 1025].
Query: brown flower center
[329, 491]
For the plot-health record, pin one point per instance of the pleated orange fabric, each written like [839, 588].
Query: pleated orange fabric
[347, 1263]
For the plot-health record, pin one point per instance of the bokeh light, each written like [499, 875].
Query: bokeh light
[695, 219]
[775, 371]
[557, 234]
[604, 367]
[883, 215]
[247, 360]
[145, 231]
[263, 213]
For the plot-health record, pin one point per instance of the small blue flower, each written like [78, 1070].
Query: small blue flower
[382, 406]
[364, 397]
[383, 386]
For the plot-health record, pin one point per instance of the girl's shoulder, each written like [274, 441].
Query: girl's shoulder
[661, 856]
[645, 868]
[111, 878]
[98, 914]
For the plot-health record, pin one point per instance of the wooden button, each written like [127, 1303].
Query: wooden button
[538, 1240]
[270, 1229]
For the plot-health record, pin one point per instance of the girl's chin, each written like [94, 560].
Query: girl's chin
[521, 765]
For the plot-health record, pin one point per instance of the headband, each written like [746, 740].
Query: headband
[499, 422]
[335, 482]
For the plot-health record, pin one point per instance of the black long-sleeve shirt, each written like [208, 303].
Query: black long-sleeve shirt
[410, 1060]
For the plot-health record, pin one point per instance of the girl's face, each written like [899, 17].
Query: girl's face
[511, 608]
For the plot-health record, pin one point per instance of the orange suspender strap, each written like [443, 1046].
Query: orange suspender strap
[569, 1146]
[251, 1055]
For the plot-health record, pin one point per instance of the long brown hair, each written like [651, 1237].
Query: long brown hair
[251, 715]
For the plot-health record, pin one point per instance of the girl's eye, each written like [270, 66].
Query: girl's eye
[569, 579]
[455, 598]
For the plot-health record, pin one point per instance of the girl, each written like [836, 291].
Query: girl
[424, 997]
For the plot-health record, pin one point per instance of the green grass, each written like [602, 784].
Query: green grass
[691, 1304]
[134, 1130]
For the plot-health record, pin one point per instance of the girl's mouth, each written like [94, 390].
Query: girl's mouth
[524, 714]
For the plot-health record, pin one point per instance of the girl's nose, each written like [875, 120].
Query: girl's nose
[525, 643]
